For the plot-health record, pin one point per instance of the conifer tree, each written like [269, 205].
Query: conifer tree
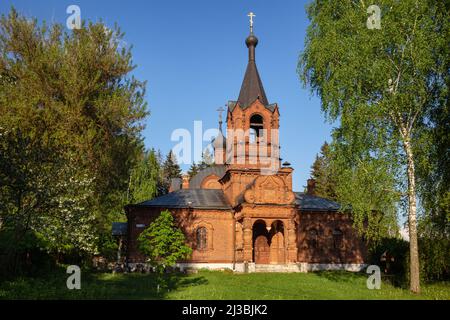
[322, 173]
[193, 170]
[170, 170]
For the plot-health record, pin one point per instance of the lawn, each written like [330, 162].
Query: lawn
[213, 285]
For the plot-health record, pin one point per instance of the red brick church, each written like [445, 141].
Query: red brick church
[241, 213]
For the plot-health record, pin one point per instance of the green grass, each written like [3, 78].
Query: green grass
[213, 285]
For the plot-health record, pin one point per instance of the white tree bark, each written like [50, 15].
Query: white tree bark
[412, 217]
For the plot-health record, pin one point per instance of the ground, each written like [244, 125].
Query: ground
[214, 285]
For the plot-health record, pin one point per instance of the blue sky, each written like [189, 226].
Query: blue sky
[193, 57]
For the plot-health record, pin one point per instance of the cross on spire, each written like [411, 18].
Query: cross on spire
[251, 15]
[220, 110]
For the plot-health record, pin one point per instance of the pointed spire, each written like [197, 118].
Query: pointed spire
[252, 87]
[220, 110]
[219, 142]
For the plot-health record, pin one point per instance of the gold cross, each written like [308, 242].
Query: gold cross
[251, 15]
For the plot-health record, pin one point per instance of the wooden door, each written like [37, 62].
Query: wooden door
[262, 250]
[277, 249]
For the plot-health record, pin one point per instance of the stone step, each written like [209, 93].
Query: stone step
[279, 268]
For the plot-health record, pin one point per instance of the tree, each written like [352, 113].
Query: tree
[207, 160]
[66, 99]
[163, 243]
[193, 170]
[170, 170]
[434, 171]
[434, 190]
[145, 178]
[381, 84]
[44, 196]
[322, 173]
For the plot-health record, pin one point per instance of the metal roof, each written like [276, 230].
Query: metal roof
[215, 199]
[314, 203]
[196, 181]
[194, 198]
[119, 228]
[232, 105]
[252, 87]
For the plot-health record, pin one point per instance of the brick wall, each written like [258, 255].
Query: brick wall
[219, 225]
[328, 248]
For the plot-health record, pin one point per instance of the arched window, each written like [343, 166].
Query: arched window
[256, 126]
[312, 238]
[337, 239]
[201, 234]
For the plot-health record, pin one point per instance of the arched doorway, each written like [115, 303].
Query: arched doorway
[261, 248]
[277, 248]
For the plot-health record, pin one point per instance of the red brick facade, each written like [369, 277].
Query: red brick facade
[230, 237]
[250, 215]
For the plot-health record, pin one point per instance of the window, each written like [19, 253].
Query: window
[312, 238]
[256, 128]
[253, 135]
[337, 239]
[201, 238]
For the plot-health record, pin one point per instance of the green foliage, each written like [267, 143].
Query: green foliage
[163, 243]
[70, 128]
[206, 285]
[29, 253]
[396, 259]
[193, 170]
[170, 170]
[45, 192]
[434, 258]
[367, 186]
[107, 246]
[207, 160]
[434, 251]
[145, 178]
[322, 173]
[434, 172]
[381, 86]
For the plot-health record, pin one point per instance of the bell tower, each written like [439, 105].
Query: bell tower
[252, 140]
[252, 123]
[255, 184]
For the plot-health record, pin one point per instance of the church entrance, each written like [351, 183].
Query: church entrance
[268, 243]
[261, 248]
[277, 252]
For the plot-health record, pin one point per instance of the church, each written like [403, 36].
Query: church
[241, 212]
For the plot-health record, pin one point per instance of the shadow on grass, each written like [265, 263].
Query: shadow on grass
[397, 281]
[96, 286]
[142, 286]
[340, 276]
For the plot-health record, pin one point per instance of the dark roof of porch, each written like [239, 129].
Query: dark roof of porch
[309, 202]
[193, 198]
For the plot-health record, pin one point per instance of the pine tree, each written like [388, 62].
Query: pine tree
[193, 170]
[170, 170]
[322, 173]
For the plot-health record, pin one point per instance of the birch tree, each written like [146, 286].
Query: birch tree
[379, 71]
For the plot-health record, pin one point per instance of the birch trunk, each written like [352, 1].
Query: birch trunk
[412, 219]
